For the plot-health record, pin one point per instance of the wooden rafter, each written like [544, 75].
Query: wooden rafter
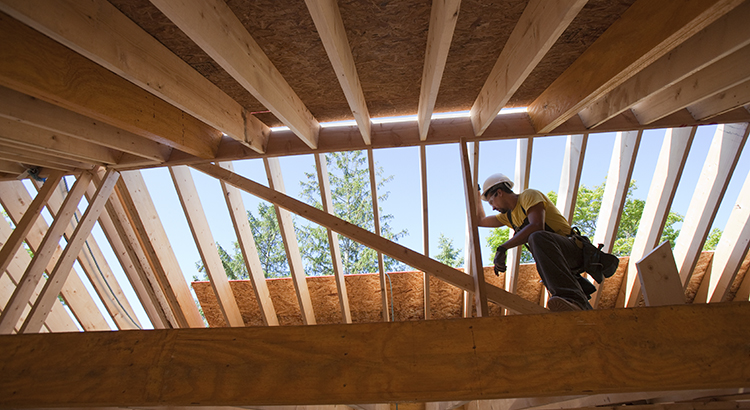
[480, 287]
[289, 236]
[245, 239]
[524, 148]
[469, 257]
[669, 167]
[722, 102]
[570, 177]
[333, 238]
[327, 19]
[411, 357]
[425, 225]
[201, 231]
[722, 158]
[40, 67]
[369, 239]
[129, 51]
[716, 78]
[724, 36]
[42, 256]
[376, 222]
[443, 17]
[213, 26]
[539, 27]
[64, 266]
[645, 32]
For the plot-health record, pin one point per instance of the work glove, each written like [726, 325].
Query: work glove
[500, 260]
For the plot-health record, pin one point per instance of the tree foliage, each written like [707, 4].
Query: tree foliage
[447, 253]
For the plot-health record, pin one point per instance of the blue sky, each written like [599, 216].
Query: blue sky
[445, 189]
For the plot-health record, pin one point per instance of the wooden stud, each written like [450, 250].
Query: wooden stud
[214, 28]
[64, 265]
[38, 66]
[286, 226]
[42, 256]
[201, 231]
[644, 33]
[425, 226]
[570, 177]
[726, 35]
[238, 213]
[722, 102]
[723, 155]
[718, 77]
[671, 348]
[376, 221]
[469, 256]
[669, 167]
[443, 17]
[539, 27]
[660, 281]
[480, 292]
[369, 239]
[524, 148]
[327, 19]
[333, 238]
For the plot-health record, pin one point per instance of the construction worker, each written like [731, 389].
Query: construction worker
[560, 252]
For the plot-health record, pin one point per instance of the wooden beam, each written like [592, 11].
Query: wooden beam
[150, 233]
[722, 102]
[103, 34]
[36, 65]
[425, 226]
[330, 26]
[570, 177]
[723, 155]
[14, 133]
[716, 78]
[31, 156]
[215, 29]
[29, 110]
[671, 348]
[443, 17]
[201, 231]
[238, 213]
[660, 281]
[599, 401]
[480, 292]
[645, 32]
[469, 257]
[726, 35]
[666, 177]
[11, 167]
[333, 238]
[376, 221]
[539, 27]
[615, 192]
[22, 229]
[15, 199]
[289, 236]
[369, 239]
[64, 266]
[730, 252]
[42, 256]
[524, 149]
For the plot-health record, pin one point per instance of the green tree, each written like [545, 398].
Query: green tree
[448, 254]
[352, 201]
[712, 240]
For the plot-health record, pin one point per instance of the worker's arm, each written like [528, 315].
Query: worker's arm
[484, 220]
[536, 215]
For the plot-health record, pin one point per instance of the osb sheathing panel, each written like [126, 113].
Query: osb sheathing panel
[388, 39]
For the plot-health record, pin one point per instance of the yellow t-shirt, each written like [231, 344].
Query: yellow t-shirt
[528, 198]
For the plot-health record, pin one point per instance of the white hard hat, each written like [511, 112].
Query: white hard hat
[493, 180]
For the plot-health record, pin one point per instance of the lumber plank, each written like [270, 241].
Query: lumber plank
[425, 225]
[36, 65]
[539, 27]
[103, 34]
[289, 237]
[327, 18]
[326, 198]
[524, 150]
[443, 17]
[676, 348]
[645, 32]
[214, 28]
[722, 102]
[480, 292]
[669, 166]
[660, 281]
[721, 160]
[726, 35]
[570, 177]
[367, 238]
[376, 222]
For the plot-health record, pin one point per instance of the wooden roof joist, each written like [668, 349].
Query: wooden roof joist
[616, 351]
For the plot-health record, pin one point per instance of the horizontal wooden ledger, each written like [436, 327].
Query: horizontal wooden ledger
[606, 351]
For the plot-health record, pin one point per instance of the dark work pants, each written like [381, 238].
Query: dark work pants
[557, 257]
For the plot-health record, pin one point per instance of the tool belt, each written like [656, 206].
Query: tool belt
[596, 262]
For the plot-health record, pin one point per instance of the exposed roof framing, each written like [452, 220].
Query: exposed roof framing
[93, 92]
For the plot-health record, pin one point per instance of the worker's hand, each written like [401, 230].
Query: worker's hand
[500, 260]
